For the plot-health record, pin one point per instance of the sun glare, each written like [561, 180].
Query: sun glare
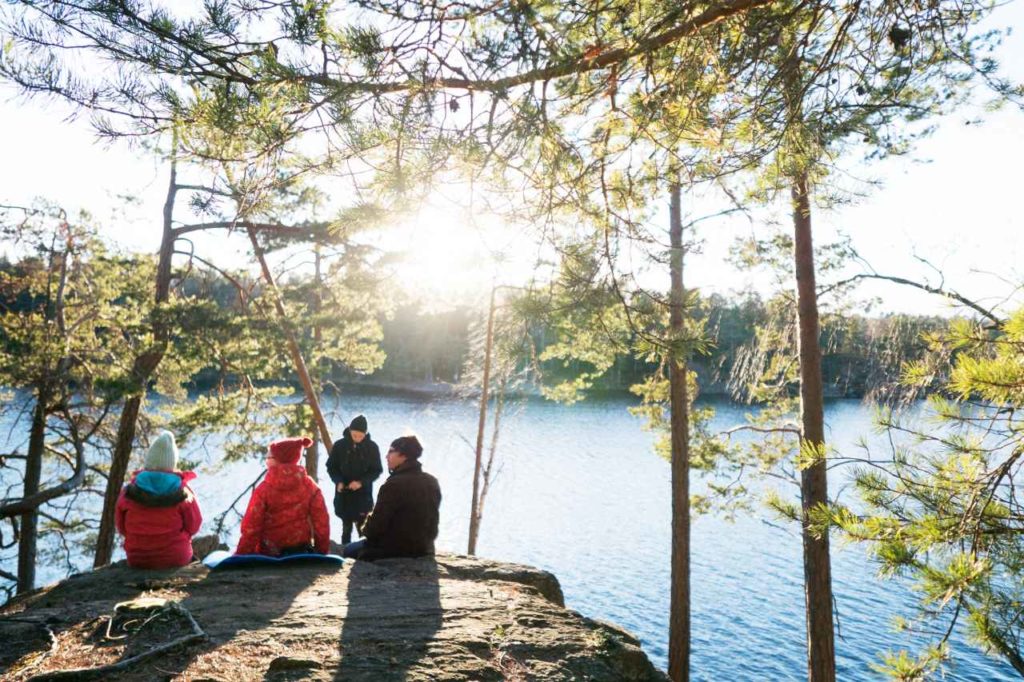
[449, 256]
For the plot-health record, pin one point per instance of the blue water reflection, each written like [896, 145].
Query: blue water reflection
[580, 493]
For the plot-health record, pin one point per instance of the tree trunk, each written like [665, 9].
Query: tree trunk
[293, 344]
[313, 452]
[488, 469]
[142, 370]
[813, 479]
[474, 515]
[33, 475]
[679, 614]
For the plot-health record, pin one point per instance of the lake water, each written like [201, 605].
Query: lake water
[582, 494]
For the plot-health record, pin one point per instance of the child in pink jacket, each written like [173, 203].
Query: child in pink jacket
[157, 512]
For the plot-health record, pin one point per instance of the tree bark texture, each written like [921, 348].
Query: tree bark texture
[679, 615]
[813, 479]
[29, 536]
[142, 371]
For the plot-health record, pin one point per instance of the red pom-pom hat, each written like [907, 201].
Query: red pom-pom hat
[288, 450]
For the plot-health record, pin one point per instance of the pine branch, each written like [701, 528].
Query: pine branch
[939, 290]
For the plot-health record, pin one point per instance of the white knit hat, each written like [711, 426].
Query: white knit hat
[163, 453]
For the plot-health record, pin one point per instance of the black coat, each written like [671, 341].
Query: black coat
[404, 521]
[350, 462]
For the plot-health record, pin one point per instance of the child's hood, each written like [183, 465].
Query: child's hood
[159, 488]
[162, 482]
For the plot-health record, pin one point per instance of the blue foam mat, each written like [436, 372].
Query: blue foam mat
[225, 559]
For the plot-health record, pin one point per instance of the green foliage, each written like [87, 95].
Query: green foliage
[235, 139]
[585, 326]
[810, 454]
[904, 667]
[861, 355]
[243, 422]
[240, 354]
[76, 317]
[71, 313]
[783, 507]
[72, 318]
[941, 508]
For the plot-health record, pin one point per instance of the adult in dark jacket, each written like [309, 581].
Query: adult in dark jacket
[353, 465]
[404, 520]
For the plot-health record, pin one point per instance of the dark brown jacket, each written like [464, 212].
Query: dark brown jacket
[404, 520]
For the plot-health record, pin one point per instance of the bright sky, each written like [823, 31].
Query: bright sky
[956, 203]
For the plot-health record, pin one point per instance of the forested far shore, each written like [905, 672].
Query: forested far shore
[862, 355]
[427, 350]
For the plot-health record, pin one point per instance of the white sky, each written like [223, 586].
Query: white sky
[956, 203]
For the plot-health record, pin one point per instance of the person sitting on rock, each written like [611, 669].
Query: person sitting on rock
[157, 513]
[286, 514]
[354, 464]
[404, 520]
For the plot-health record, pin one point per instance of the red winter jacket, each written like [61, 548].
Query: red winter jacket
[287, 511]
[158, 514]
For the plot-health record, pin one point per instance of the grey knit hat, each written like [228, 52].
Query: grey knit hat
[163, 453]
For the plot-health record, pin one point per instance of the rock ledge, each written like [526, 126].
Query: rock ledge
[447, 618]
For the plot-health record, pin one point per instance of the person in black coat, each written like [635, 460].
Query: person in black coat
[404, 522]
[354, 464]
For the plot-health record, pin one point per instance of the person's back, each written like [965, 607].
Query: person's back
[404, 521]
[157, 512]
[286, 513]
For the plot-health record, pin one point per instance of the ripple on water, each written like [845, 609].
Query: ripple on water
[581, 494]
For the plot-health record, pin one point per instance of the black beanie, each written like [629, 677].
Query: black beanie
[408, 446]
[358, 424]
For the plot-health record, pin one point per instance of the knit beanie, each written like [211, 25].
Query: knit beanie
[163, 453]
[288, 450]
[358, 424]
[408, 446]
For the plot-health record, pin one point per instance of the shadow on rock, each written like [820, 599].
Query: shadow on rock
[363, 621]
[80, 612]
[241, 608]
[393, 615]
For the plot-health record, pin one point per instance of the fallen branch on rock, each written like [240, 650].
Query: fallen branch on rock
[196, 635]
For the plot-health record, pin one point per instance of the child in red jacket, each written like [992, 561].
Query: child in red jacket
[286, 514]
[157, 513]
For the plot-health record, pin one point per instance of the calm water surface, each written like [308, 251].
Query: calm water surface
[580, 493]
